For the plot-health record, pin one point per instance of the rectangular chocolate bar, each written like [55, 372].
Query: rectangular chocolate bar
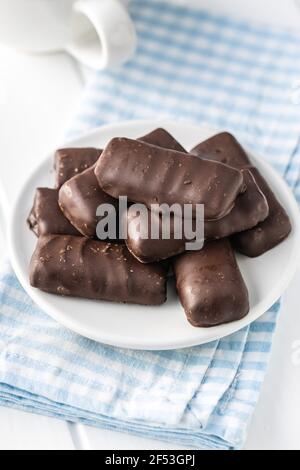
[162, 138]
[146, 249]
[153, 175]
[80, 267]
[46, 217]
[210, 285]
[79, 199]
[277, 227]
[268, 234]
[70, 162]
[250, 208]
[223, 148]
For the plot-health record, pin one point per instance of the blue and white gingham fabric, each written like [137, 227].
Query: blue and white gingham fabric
[191, 66]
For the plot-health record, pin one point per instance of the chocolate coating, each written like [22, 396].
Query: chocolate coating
[162, 138]
[70, 162]
[250, 208]
[153, 175]
[32, 222]
[79, 267]
[268, 234]
[148, 250]
[210, 285]
[46, 217]
[277, 227]
[223, 148]
[79, 199]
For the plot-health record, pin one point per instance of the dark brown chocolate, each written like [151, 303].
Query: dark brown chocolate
[210, 285]
[223, 148]
[46, 217]
[153, 175]
[70, 162]
[251, 208]
[268, 234]
[162, 138]
[32, 222]
[79, 267]
[277, 227]
[149, 250]
[79, 199]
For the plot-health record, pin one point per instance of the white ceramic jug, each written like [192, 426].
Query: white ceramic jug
[99, 33]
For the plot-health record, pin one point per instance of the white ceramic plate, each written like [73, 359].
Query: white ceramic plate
[153, 328]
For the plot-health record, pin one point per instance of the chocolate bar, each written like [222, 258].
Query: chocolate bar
[79, 199]
[80, 267]
[147, 250]
[223, 148]
[162, 138]
[268, 234]
[153, 175]
[70, 162]
[46, 217]
[251, 208]
[277, 227]
[210, 285]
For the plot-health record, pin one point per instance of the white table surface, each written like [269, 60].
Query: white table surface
[38, 96]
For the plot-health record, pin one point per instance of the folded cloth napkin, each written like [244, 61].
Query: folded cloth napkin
[213, 70]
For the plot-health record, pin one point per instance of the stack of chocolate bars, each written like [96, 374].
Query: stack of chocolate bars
[240, 213]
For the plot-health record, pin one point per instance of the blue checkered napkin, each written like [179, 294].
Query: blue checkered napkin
[198, 67]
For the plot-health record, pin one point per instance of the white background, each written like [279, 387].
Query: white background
[38, 96]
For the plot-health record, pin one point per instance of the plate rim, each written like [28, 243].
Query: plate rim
[84, 330]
